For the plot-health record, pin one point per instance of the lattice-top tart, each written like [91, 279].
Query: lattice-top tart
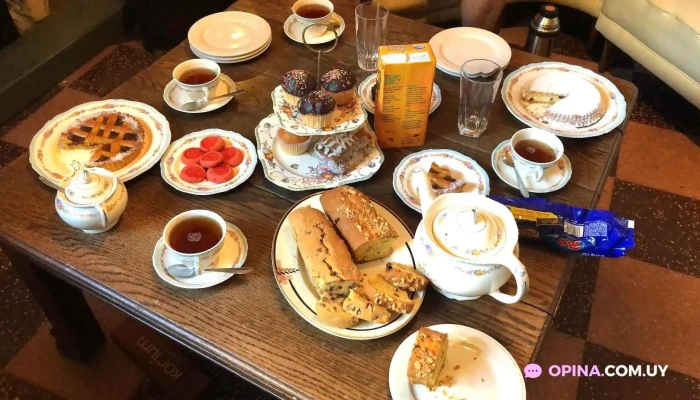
[117, 139]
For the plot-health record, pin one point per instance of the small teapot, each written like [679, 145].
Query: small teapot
[92, 200]
[464, 242]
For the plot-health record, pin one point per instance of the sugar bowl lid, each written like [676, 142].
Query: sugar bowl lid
[90, 186]
[469, 231]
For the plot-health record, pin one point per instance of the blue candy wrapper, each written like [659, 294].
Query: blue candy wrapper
[572, 229]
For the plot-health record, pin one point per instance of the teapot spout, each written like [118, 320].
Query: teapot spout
[424, 189]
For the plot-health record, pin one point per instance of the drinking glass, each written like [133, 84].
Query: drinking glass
[370, 28]
[478, 89]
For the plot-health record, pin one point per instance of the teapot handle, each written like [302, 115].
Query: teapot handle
[522, 280]
[103, 214]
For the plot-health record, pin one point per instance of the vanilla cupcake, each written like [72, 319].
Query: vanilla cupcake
[316, 109]
[293, 144]
[339, 83]
[296, 84]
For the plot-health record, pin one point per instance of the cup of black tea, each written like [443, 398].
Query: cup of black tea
[308, 12]
[197, 79]
[534, 150]
[196, 238]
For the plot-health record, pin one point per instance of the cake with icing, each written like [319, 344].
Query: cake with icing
[340, 153]
[564, 100]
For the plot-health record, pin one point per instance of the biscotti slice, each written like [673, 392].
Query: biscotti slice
[368, 234]
[427, 357]
[380, 292]
[332, 313]
[358, 305]
[404, 277]
[324, 253]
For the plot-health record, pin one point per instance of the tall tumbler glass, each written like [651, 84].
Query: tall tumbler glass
[370, 28]
[478, 89]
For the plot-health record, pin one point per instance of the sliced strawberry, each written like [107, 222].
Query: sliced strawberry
[232, 156]
[191, 156]
[212, 143]
[193, 174]
[211, 159]
[222, 173]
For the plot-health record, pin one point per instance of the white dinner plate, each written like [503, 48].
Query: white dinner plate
[480, 368]
[296, 286]
[520, 79]
[293, 30]
[175, 97]
[453, 47]
[364, 90]
[54, 165]
[230, 60]
[229, 34]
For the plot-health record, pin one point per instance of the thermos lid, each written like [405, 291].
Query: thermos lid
[546, 22]
[549, 11]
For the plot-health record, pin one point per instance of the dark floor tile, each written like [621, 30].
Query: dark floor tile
[672, 386]
[15, 389]
[571, 46]
[226, 385]
[667, 226]
[8, 152]
[20, 316]
[118, 67]
[27, 111]
[574, 312]
[150, 390]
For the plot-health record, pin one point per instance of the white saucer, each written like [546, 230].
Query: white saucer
[229, 34]
[231, 60]
[293, 30]
[232, 255]
[554, 178]
[487, 371]
[364, 90]
[175, 97]
[463, 167]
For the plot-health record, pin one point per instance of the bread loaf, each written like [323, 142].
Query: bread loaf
[332, 313]
[368, 234]
[358, 305]
[404, 277]
[324, 253]
[427, 357]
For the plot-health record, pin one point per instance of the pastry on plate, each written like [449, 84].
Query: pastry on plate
[381, 292]
[442, 181]
[367, 233]
[293, 144]
[332, 313]
[358, 305]
[564, 100]
[339, 83]
[427, 357]
[296, 84]
[316, 109]
[404, 277]
[341, 152]
[324, 253]
[116, 139]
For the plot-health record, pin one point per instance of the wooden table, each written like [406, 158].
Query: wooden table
[245, 324]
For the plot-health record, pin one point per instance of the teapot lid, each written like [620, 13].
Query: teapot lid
[469, 231]
[90, 187]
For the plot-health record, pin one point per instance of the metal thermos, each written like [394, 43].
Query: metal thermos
[544, 29]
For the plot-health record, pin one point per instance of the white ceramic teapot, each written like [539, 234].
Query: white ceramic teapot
[92, 200]
[465, 245]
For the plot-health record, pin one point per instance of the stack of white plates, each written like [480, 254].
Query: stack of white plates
[230, 37]
[453, 47]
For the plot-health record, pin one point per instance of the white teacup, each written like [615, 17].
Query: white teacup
[204, 258]
[546, 140]
[194, 92]
[305, 21]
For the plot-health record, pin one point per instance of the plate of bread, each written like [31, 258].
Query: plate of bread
[567, 100]
[341, 261]
[454, 362]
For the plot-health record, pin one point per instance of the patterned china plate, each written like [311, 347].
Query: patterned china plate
[54, 165]
[345, 118]
[554, 178]
[364, 90]
[520, 79]
[303, 172]
[170, 165]
[463, 167]
[296, 286]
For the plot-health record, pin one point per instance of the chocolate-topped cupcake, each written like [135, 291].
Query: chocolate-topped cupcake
[374, 92]
[339, 83]
[296, 84]
[316, 109]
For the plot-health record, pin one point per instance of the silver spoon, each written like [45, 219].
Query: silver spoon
[508, 160]
[201, 103]
[183, 271]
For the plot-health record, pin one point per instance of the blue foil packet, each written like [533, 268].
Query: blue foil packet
[571, 229]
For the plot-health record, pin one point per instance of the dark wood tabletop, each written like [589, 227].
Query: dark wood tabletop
[246, 324]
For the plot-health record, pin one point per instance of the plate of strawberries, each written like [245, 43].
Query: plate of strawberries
[208, 162]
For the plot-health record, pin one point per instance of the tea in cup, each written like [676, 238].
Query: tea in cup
[534, 150]
[197, 79]
[196, 238]
[308, 12]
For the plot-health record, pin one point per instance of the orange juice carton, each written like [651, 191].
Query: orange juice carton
[404, 87]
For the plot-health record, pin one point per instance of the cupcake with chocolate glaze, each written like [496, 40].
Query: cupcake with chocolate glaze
[296, 84]
[339, 83]
[316, 109]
